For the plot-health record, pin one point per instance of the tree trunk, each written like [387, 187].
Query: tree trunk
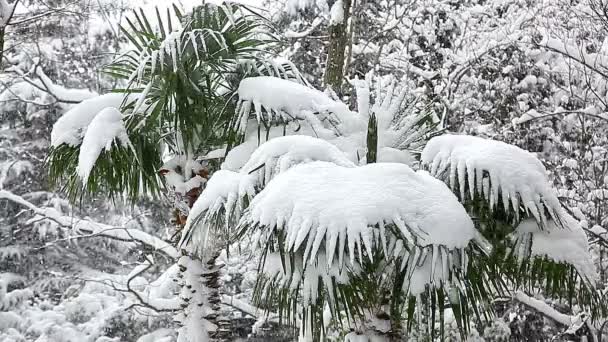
[338, 39]
[2, 32]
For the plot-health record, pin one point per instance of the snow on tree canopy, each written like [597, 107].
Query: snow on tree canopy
[492, 168]
[323, 201]
[70, 127]
[567, 243]
[105, 128]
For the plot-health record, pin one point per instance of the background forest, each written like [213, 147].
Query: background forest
[94, 267]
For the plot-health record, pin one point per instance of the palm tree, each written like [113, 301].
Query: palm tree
[378, 245]
[351, 237]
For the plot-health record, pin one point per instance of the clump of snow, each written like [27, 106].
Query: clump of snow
[279, 154]
[321, 201]
[293, 6]
[70, 127]
[283, 99]
[393, 155]
[105, 128]
[225, 196]
[565, 243]
[599, 230]
[336, 14]
[187, 178]
[492, 168]
[238, 156]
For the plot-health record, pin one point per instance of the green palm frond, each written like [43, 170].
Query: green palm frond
[121, 171]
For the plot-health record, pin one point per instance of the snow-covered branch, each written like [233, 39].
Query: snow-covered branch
[86, 228]
[291, 34]
[544, 308]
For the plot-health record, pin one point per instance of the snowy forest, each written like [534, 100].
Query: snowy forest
[303, 170]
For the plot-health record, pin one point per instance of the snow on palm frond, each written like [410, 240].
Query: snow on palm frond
[342, 211]
[105, 129]
[567, 244]
[275, 99]
[291, 274]
[495, 171]
[278, 155]
[71, 126]
[220, 206]
[227, 193]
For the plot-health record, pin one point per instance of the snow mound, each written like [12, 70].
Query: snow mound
[279, 154]
[224, 199]
[105, 128]
[492, 168]
[566, 243]
[70, 127]
[321, 201]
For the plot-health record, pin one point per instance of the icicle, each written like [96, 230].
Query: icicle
[461, 177]
[317, 242]
[309, 243]
[342, 246]
[383, 237]
[293, 224]
[452, 178]
[303, 232]
[445, 266]
[351, 246]
[471, 173]
[330, 244]
[367, 242]
[404, 229]
[435, 255]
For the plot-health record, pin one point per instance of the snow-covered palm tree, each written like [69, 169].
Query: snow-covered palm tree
[361, 224]
[380, 244]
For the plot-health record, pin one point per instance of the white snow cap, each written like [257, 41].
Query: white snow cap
[514, 173]
[104, 129]
[336, 14]
[283, 99]
[70, 127]
[566, 243]
[225, 191]
[322, 201]
[279, 154]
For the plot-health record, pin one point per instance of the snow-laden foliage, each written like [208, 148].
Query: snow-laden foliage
[104, 130]
[71, 127]
[305, 202]
[567, 243]
[494, 170]
[319, 202]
